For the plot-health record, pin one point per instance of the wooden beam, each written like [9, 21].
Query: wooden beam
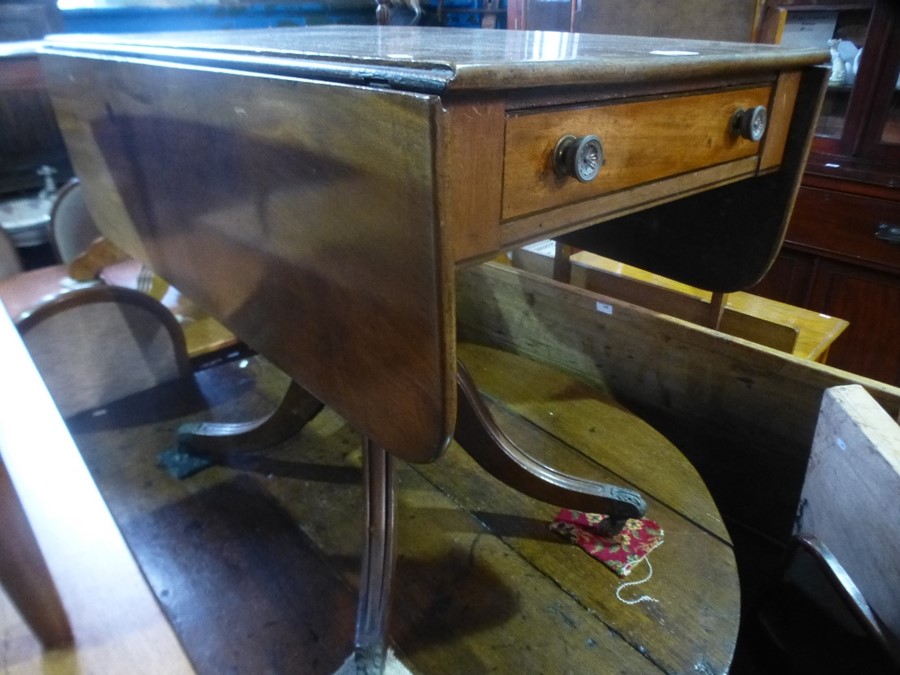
[850, 493]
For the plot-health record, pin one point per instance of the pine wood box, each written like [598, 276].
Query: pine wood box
[744, 414]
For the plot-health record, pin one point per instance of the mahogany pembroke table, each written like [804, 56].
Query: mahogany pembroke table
[316, 189]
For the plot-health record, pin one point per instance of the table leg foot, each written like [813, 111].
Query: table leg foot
[212, 439]
[479, 435]
[370, 647]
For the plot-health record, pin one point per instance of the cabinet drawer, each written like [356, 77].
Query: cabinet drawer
[642, 141]
[843, 225]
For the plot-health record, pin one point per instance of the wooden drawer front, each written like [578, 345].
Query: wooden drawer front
[642, 141]
[843, 226]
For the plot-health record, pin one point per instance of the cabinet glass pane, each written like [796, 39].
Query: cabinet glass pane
[891, 131]
[549, 14]
[844, 34]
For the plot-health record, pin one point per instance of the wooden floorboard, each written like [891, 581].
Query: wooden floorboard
[256, 563]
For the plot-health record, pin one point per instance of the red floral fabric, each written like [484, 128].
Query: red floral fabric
[622, 551]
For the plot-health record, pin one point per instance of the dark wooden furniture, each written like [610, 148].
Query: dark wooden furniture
[24, 576]
[339, 176]
[841, 255]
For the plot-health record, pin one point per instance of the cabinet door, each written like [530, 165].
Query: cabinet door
[788, 279]
[846, 227]
[858, 135]
[870, 301]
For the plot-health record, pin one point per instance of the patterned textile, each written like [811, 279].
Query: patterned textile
[620, 552]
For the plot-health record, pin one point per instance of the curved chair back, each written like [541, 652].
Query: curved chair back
[10, 263]
[72, 228]
[97, 345]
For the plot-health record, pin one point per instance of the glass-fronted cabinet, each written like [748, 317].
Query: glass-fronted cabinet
[842, 252]
[859, 129]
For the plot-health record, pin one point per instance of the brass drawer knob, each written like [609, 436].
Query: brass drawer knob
[579, 157]
[750, 123]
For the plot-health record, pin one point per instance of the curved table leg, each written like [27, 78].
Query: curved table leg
[370, 647]
[212, 439]
[479, 435]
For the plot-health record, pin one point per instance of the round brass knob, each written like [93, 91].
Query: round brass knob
[750, 123]
[579, 157]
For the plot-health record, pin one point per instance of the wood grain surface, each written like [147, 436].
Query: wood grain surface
[301, 215]
[756, 408]
[642, 142]
[853, 476]
[272, 541]
[446, 59]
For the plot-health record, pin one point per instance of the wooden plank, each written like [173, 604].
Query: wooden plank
[760, 404]
[810, 332]
[116, 623]
[653, 292]
[850, 493]
[641, 355]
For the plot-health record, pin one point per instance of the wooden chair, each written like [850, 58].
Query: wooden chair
[72, 228]
[97, 345]
[10, 264]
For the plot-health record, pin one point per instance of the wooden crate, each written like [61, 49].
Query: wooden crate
[850, 495]
[744, 414]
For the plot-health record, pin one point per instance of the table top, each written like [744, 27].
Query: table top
[325, 222]
[439, 59]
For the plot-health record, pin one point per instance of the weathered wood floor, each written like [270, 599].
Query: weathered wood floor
[256, 563]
